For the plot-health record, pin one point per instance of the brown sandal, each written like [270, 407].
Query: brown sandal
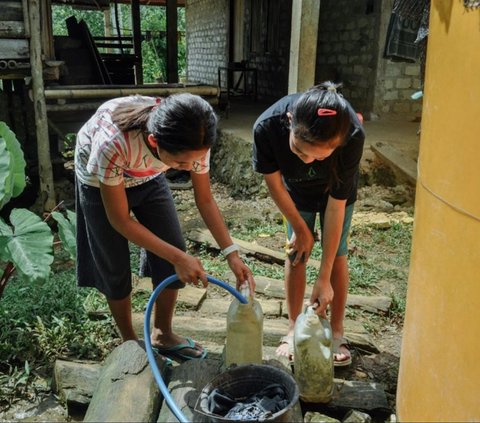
[337, 343]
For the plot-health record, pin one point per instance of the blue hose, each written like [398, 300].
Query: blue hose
[148, 344]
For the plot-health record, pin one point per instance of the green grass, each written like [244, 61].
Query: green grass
[375, 255]
[41, 322]
[381, 255]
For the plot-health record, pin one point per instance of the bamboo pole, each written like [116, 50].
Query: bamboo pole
[75, 107]
[47, 191]
[92, 106]
[120, 92]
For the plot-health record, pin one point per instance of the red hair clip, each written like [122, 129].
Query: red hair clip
[326, 112]
[157, 102]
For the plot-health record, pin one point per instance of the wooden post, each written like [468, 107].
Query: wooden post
[172, 47]
[47, 191]
[26, 20]
[137, 41]
[303, 44]
[107, 16]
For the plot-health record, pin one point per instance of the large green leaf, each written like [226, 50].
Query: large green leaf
[16, 153]
[67, 230]
[6, 170]
[5, 235]
[30, 246]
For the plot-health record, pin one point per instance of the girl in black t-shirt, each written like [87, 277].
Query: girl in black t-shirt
[308, 146]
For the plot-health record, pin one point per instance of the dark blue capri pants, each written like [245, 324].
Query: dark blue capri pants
[103, 256]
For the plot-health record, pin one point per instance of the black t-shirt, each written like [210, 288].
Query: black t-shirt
[308, 184]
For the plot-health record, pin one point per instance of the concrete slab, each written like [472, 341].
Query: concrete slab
[400, 132]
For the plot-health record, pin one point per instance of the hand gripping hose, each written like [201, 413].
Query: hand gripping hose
[148, 344]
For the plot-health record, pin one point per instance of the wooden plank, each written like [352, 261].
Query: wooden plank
[394, 158]
[48, 50]
[14, 49]
[275, 288]
[26, 20]
[14, 74]
[215, 329]
[364, 396]
[12, 29]
[91, 4]
[262, 253]
[12, 11]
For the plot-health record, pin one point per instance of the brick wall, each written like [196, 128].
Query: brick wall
[272, 65]
[206, 39]
[346, 49]
[400, 80]
[350, 48]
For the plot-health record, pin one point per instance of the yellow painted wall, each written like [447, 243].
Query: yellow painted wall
[439, 377]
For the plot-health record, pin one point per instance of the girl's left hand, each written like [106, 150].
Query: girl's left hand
[322, 294]
[241, 271]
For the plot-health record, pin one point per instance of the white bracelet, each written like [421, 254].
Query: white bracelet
[230, 249]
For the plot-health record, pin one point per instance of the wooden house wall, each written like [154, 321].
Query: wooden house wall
[14, 31]
[15, 37]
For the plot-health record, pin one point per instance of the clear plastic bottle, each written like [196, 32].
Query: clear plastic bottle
[244, 331]
[313, 357]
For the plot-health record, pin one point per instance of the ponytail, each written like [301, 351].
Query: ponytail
[134, 114]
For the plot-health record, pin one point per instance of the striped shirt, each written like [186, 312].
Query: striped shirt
[105, 154]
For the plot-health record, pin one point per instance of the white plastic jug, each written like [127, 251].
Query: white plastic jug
[313, 357]
[244, 331]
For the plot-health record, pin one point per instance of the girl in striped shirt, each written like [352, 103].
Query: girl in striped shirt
[122, 154]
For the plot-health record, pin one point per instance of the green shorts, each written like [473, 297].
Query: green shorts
[310, 218]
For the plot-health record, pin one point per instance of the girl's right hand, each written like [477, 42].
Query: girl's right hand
[190, 270]
[300, 245]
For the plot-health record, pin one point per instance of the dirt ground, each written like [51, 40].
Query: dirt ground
[377, 206]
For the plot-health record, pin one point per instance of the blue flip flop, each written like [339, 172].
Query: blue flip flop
[175, 351]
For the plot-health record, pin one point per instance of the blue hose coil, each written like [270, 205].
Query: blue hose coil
[148, 344]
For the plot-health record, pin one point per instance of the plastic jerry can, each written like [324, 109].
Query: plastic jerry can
[313, 357]
[244, 331]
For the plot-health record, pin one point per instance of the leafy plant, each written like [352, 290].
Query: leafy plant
[14, 383]
[26, 241]
[12, 166]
